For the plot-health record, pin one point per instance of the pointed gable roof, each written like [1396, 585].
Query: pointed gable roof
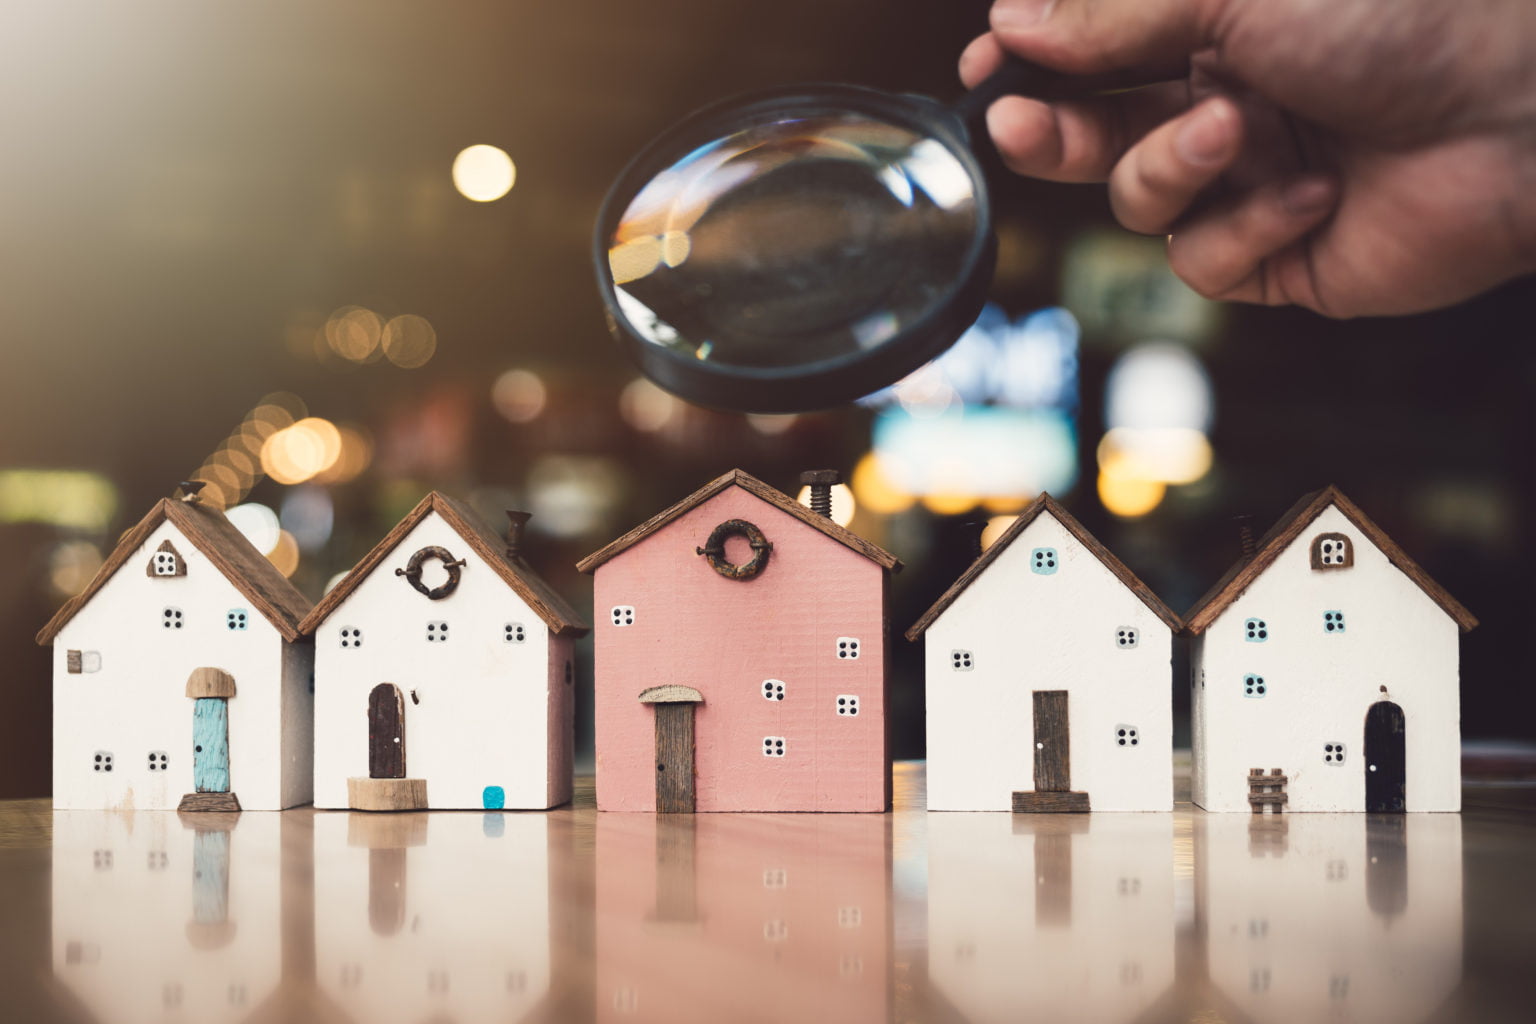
[268, 590]
[1290, 526]
[752, 485]
[545, 601]
[1045, 503]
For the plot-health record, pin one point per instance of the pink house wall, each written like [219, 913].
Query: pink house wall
[725, 637]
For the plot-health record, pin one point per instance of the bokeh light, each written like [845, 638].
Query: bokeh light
[875, 491]
[1170, 455]
[309, 515]
[519, 395]
[646, 407]
[1130, 497]
[843, 504]
[72, 565]
[354, 333]
[995, 528]
[297, 453]
[257, 523]
[408, 341]
[949, 503]
[285, 555]
[483, 173]
[59, 497]
[772, 424]
[356, 456]
[1157, 385]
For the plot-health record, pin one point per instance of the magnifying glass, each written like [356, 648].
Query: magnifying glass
[803, 247]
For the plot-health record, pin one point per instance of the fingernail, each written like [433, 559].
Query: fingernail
[1307, 195]
[1020, 13]
[1207, 138]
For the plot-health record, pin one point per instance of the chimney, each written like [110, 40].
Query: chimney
[515, 522]
[189, 489]
[1245, 535]
[820, 481]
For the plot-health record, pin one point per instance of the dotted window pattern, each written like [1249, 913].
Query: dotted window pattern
[773, 689]
[1332, 551]
[775, 878]
[1127, 637]
[1127, 736]
[847, 704]
[776, 931]
[1254, 686]
[623, 615]
[351, 636]
[437, 632]
[102, 761]
[171, 618]
[165, 563]
[1256, 631]
[962, 661]
[158, 860]
[159, 761]
[773, 746]
[1333, 622]
[850, 965]
[847, 647]
[237, 619]
[514, 633]
[102, 859]
[850, 917]
[1043, 561]
[1333, 753]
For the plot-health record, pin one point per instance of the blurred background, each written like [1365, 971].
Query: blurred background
[257, 245]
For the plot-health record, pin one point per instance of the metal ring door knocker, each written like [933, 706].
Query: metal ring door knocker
[714, 550]
[412, 571]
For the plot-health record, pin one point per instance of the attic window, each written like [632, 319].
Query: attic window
[1256, 631]
[351, 636]
[167, 561]
[847, 704]
[847, 647]
[1043, 561]
[773, 689]
[1254, 686]
[170, 618]
[1332, 551]
[1126, 637]
[236, 618]
[623, 615]
[514, 633]
[1333, 622]
[962, 661]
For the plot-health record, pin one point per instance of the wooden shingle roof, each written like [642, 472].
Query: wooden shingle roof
[1290, 526]
[269, 592]
[1045, 503]
[752, 485]
[546, 602]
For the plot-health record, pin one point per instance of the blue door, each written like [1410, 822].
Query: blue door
[210, 745]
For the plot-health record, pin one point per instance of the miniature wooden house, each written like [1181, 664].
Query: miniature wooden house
[1047, 669]
[183, 679]
[444, 672]
[741, 658]
[1324, 670]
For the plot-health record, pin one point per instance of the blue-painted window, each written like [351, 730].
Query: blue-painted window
[1254, 686]
[1043, 561]
[236, 618]
[1333, 622]
[494, 798]
[1256, 630]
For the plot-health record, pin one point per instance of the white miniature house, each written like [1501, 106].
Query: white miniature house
[1047, 669]
[1324, 670]
[181, 679]
[444, 671]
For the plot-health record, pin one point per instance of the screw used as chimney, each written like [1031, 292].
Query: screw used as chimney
[515, 522]
[1245, 535]
[820, 482]
[189, 489]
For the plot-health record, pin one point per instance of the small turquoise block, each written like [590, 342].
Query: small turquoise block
[494, 798]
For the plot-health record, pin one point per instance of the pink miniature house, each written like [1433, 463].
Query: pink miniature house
[741, 657]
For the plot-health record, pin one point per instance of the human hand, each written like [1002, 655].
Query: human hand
[1356, 157]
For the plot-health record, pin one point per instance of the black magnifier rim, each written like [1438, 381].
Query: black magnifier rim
[832, 382]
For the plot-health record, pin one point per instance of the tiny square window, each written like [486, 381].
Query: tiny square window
[962, 661]
[1254, 686]
[847, 704]
[1256, 631]
[850, 917]
[171, 618]
[776, 931]
[437, 632]
[158, 860]
[165, 563]
[773, 689]
[847, 647]
[102, 761]
[514, 633]
[1043, 561]
[1338, 986]
[1127, 736]
[158, 761]
[1127, 637]
[1333, 622]
[351, 636]
[1332, 551]
[90, 661]
[102, 859]
[1333, 753]
[623, 615]
[775, 878]
[773, 746]
[236, 618]
[850, 965]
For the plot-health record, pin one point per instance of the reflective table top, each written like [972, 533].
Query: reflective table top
[573, 915]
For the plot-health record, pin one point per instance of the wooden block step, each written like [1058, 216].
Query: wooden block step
[387, 794]
[209, 802]
[1034, 802]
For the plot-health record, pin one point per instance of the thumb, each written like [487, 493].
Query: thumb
[1091, 36]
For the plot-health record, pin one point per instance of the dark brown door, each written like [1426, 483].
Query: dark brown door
[1386, 764]
[386, 733]
[674, 758]
[1053, 752]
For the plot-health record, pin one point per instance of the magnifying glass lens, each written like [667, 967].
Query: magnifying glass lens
[786, 241]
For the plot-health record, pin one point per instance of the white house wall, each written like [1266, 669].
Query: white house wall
[1397, 645]
[137, 702]
[476, 706]
[1031, 632]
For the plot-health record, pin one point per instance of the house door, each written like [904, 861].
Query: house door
[1053, 748]
[386, 733]
[1386, 764]
[210, 745]
[674, 758]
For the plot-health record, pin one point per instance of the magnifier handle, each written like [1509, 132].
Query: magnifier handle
[1020, 77]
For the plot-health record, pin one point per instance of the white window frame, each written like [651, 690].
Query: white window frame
[1127, 637]
[962, 660]
[773, 746]
[437, 631]
[773, 689]
[848, 705]
[514, 633]
[848, 648]
[350, 636]
[622, 615]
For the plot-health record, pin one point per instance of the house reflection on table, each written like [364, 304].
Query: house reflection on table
[1341, 917]
[1057, 917]
[714, 917]
[163, 916]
